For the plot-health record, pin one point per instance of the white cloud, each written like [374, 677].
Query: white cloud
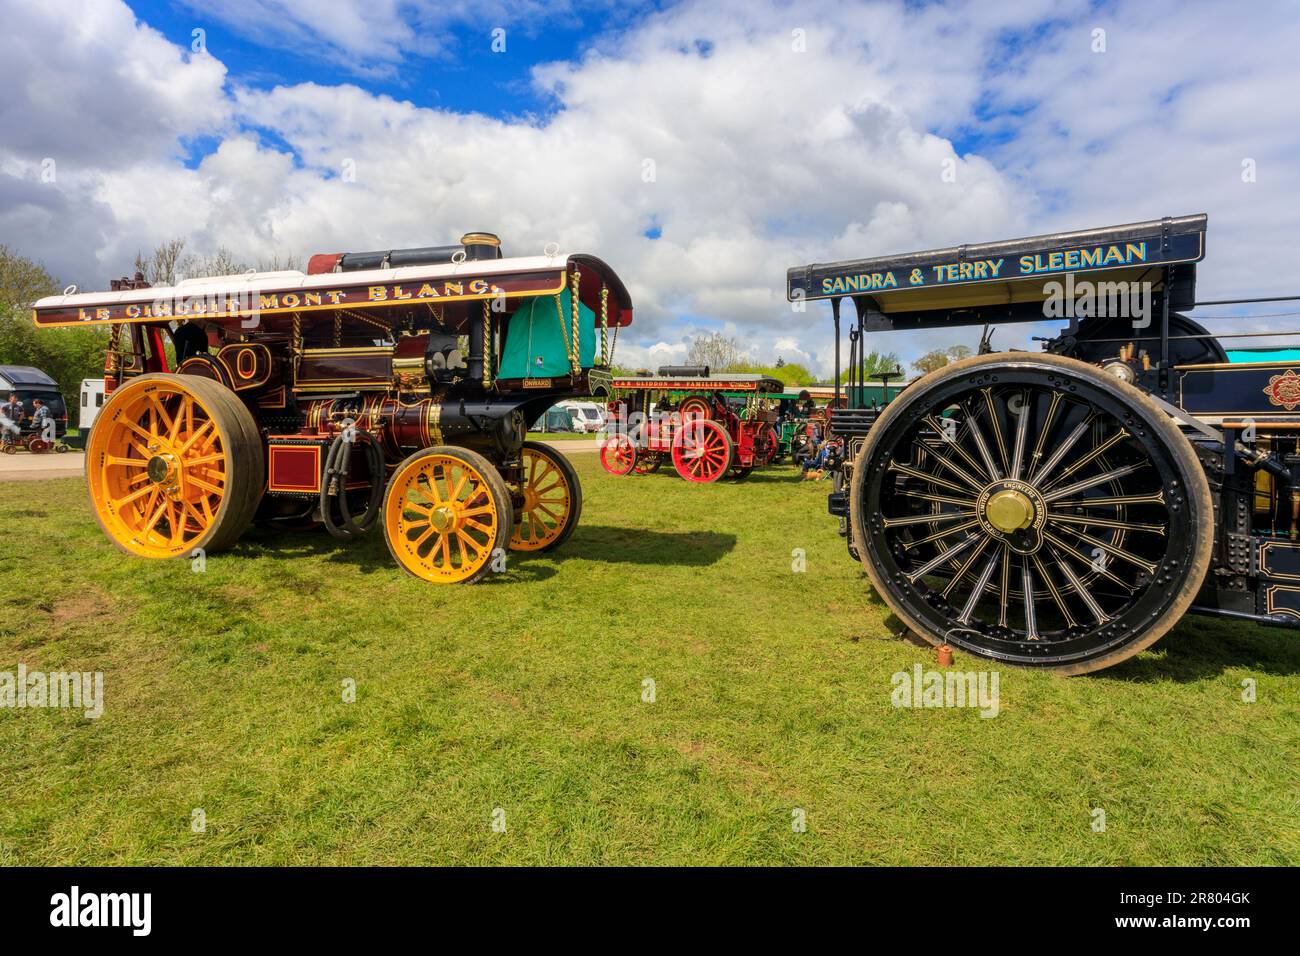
[764, 157]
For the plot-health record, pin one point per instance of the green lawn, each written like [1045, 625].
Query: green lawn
[563, 436]
[772, 694]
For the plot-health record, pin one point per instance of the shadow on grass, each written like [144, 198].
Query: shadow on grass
[1200, 647]
[612, 545]
[615, 545]
[1195, 649]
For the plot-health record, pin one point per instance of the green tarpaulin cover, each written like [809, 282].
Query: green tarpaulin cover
[534, 346]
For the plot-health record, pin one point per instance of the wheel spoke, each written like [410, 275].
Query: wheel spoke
[980, 444]
[1062, 450]
[926, 518]
[939, 559]
[1107, 523]
[939, 535]
[1022, 432]
[925, 476]
[981, 583]
[965, 567]
[995, 423]
[943, 499]
[1094, 481]
[962, 453]
[1091, 602]
[1155, 498]
[1093, 566]
[1054, 592]
[1113, 551]
[1092, 456]
[1053, 405]
[1027, 586]
[1004, 587]
[971, 481]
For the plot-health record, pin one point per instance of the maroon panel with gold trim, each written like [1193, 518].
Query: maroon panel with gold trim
[249, 364]
[334, 369]
[293, 465]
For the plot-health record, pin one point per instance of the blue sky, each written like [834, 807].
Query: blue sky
[469, 77]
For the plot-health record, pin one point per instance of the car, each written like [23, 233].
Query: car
[29, 384]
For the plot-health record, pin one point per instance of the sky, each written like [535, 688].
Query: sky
[701, 148]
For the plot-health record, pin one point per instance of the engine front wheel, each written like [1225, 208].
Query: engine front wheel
[1032, 510]
[447, 514]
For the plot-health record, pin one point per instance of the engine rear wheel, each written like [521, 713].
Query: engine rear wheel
[702, 451]
[174, 463]
[552, 500]
[1032, 510]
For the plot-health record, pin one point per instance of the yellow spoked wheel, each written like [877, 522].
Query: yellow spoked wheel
[174, 463]
[446, 512]
[552, 500]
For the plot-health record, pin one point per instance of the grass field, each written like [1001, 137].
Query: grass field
[224, 693]
[563, 436]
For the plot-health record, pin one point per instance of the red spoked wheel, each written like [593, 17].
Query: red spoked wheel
[695, 407]
[702, 451]
[38, 445]
[618, 455]
[648, 462]
[765, 445]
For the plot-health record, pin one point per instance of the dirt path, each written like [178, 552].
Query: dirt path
[27, 467]
[23, 466]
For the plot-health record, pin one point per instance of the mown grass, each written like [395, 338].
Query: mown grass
[772, 693]
[563, 436]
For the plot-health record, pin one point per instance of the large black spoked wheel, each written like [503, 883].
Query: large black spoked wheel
[1033, 510]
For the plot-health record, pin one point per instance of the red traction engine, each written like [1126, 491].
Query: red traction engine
[702, 435]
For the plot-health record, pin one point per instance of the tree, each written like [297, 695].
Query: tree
[790, 373]
[940, 357]
[168, 263]
[66, 355]
[877, 362]
[159, 268]
[719, 352]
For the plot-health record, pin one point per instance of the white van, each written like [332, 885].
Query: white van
[587, 417]
[92, 400]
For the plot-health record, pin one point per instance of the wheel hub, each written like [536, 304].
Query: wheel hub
[162, 469]
[1009, 510]
[1013, 512]
[442, 518]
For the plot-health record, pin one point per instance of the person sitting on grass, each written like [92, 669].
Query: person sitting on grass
[814, 468]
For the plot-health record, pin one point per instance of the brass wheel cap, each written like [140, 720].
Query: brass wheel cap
[1009, 511]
